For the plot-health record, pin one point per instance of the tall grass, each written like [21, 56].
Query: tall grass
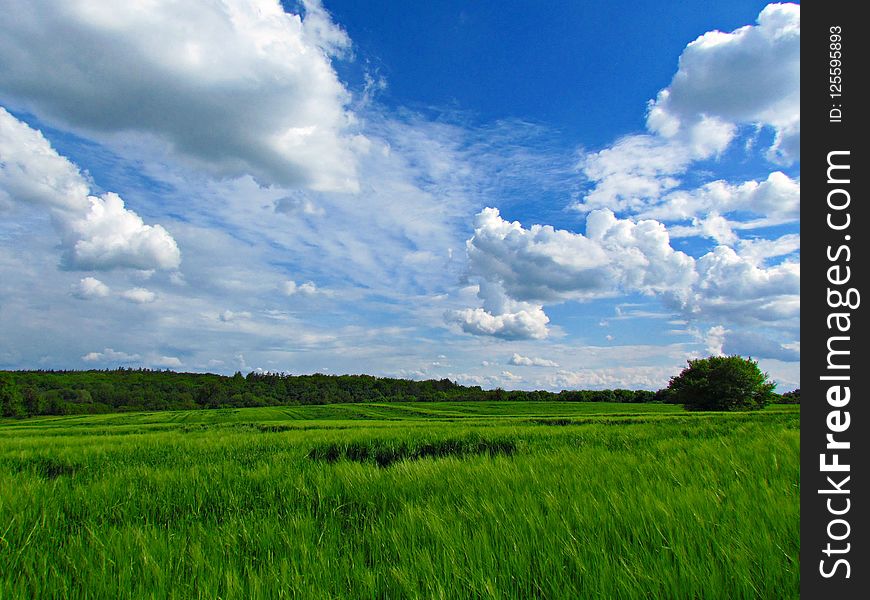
[673, 506]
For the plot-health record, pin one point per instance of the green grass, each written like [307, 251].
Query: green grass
[412, 500]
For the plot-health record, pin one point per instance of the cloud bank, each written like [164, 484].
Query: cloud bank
[234, 87]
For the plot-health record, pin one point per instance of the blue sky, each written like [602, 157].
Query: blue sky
[571, 195]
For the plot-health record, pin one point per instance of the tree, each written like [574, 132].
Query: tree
[722, 383]
[11, 402]
[792, 397]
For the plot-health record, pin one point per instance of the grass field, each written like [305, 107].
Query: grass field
[404, 500]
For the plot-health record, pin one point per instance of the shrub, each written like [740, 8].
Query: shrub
[792, 397]
[722, 383]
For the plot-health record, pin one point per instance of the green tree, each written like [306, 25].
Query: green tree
[792, 397]
[11, 402]
[722, 383]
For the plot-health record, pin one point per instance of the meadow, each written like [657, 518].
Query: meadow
[403, 500]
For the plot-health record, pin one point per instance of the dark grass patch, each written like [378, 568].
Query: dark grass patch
[558, 422]
[43, 466]
[387, 452]
[273, 427]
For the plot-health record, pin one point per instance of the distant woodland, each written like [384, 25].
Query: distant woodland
[29, 393]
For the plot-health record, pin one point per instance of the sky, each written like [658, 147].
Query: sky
[552, 196]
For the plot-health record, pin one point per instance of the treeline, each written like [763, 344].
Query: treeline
[24, 393]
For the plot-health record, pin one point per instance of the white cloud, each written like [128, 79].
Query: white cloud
[626, 377]
[109, 355]
[501, 316]
[777, 198]
[169, 362]
[717, 227]
[540, 263]
[759, 250]
[726, 274]
[246, 89]
[739, 290]
[527, 361]
[530, 323]
[291, 288]
[521, 269]
[139, 295]
[90, 287]
[110, 236]
[751, 75]
[543, 264]
[715, 339]
[632, 171]
[640, 253]
[640, 168]
[98, 233]
[32, 172]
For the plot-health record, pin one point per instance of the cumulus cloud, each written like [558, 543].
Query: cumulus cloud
[529, 323]
[521, 269]
[139, 295]
[640, 253]
[109, 355]
[110, 236]
[90, 287]
[527, 361]
[249, 90]
[751, 75]
[740, 290]
[97, 233]
[501, 316]
[541, 263]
